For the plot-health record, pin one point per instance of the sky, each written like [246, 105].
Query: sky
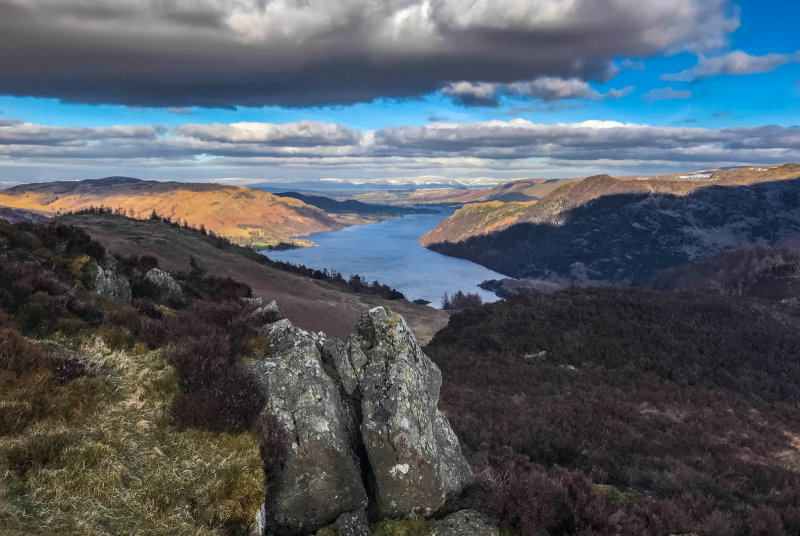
[473, 91]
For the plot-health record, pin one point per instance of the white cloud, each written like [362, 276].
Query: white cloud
[735, 63]
[311, 149]
[473, 93]
[550, 88]
[302, 133]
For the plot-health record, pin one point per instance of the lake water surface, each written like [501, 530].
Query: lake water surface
[388, 251]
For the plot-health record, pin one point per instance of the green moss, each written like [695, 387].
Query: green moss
[404, 527]
[626, 499]
[326, 531]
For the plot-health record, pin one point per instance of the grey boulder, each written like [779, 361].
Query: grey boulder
[170, 289]
[109, 282]
[321, 476]
[264, 308]
[414, 454]
[352, 524]
[360, 415]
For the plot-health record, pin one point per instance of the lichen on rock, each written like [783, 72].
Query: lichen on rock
[321, 477]
[362, 415]
[168, 286]
[109, 282]
[414, 454]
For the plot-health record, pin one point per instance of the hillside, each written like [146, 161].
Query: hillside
[571, 193]
[136, 400]
[622, 411]
[523, 189]
[630, 236]
[105, 427]
[310, 304]
[243, 214]
[18, 215]
[488, 217]
[353, 207]
[519, 190]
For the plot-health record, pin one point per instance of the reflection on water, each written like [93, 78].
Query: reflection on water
[389, 252]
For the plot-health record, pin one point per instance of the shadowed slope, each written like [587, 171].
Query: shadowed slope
[631, 236]
[571, 193]
[634, 411]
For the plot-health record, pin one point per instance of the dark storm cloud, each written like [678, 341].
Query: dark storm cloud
[308, 52]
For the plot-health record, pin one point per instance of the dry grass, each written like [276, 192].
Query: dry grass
[233, 211]
[310, 304]
[790, 458]
[102, 458]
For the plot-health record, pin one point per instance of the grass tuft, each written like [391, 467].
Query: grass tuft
[101, 458]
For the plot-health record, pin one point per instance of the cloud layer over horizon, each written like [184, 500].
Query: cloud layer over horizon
[227, 53]
[310, 149]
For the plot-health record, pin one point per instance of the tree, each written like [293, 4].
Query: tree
[459, 300]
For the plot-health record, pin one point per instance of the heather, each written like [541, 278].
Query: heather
[122, 418]
[618, 410]
[606, 410]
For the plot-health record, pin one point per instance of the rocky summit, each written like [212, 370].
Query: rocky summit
[361, 421]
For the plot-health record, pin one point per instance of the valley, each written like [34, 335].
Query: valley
[389, 252]
[311, 304]
[633, 399]
[400, 268]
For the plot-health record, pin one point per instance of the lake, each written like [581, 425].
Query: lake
[388, 251]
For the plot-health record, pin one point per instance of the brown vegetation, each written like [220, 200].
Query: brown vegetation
[99, 434]
[310, 304]
[616, 410]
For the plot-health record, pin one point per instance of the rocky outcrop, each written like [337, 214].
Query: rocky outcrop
[352, 524]
[321, 477]
[109, 282]
[414, 454]
[465, 523]
[170, 289]
[364, 427]
[264, 309]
